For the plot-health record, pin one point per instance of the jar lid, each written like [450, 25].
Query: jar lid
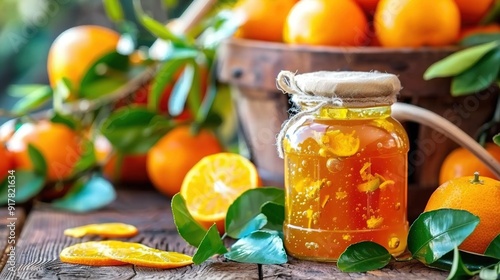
[349, 88]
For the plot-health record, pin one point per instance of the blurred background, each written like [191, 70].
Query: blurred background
[28, 27]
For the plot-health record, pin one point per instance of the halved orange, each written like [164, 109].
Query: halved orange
[108, 230]
[88, 253]
[113, 252]
[214, 183]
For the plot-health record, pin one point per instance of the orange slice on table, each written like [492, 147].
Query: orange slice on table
[108, 230]
[113, 252]
[214, 183]
[142, 255]
[88, 253]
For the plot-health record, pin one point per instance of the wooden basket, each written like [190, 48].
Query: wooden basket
[251, 68]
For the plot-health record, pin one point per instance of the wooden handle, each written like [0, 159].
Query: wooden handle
[192, 15]
[408, 112]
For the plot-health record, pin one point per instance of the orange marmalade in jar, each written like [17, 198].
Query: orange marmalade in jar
[345, 164]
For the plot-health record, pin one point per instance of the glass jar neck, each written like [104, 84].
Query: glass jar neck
[339, 113]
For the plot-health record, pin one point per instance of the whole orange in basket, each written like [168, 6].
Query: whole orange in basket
[417, 23]
[132, 167]
[368, 6]
[326, 22]
[212, 185]
[60, 146]
[478, 195]
[262, 19]
[472, 11]
[461, 162]
[75, 50]
[170, 159]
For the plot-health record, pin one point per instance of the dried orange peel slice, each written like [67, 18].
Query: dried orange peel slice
[142, 255]
[113, 252]
[88, 253]
[108, 230]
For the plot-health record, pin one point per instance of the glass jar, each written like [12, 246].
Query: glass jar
[345, 164]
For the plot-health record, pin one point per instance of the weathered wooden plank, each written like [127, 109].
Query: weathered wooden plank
[10, 229]
[42, 239]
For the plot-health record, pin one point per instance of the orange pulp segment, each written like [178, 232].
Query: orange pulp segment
[108, 230]
[214, 183]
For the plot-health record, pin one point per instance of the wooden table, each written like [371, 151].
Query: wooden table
[39, 239]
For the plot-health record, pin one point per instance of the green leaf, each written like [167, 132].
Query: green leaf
[458, 269]
[208, 101]
[134, 130]
[479, 38]
[37, 159]
[459, 61]
[496, 139]
[188, 228]
[210, 245]
[435, 233]
[493, 249]
[195, 94]
[478, 77]
[490, 273]
[181, 90]
[38, 97]
[65, 120]
[113, 9]
[87, 159]
[260, 247]
[275, 214]
[254, 224]
[101, 87]
[27, 89]
[166, 75]
[62, 93]
[363, 256]
[472, 261]
[105, 75]
[161, 31]
[247, 206]
[27, 184]
[85, 196]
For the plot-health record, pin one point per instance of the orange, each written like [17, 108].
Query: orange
[170, 159]
[472, 11]
[113, 252]
[142, 255]
[107, 230]
[59, 145]
[5, 162]
[214, 183]
[417, 23]
[368, 6]
[132, 166]
[461, 162]
[326, 22]
[262, 19]
[75, 50]
[478, 195]
[88, 253]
